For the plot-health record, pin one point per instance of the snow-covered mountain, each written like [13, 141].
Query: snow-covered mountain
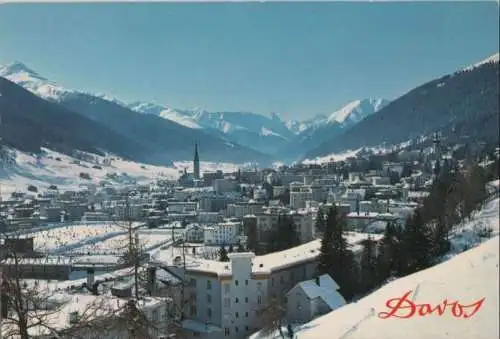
[491, 59]
[311, 133]
[264, 134]
[20, 74]
[350, 114]
[357, 110]
[165, 139]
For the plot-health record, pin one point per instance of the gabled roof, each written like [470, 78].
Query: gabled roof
[327, 290]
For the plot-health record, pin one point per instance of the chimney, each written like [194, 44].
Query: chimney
[90, 276]
[317, 281]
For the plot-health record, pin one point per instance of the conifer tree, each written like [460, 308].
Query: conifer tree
[223, 254]
[320, 221]
[417, 244]
[368, 266]
[336, 259]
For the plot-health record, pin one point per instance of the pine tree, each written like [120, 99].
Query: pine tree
[417, 244]
[326, 249]
[223, 254]
[336, 259]
[320, 221]
[368, 266]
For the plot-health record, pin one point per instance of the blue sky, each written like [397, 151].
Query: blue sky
[296, 59]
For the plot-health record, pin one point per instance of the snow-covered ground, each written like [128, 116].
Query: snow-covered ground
[61, 170]
[467, 278]
[66, 238]
[332, 157]
[208, 166]
[118, 244]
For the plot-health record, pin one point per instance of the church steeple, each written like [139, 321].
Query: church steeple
[196, 162]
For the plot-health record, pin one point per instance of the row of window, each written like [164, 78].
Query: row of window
[227, 331]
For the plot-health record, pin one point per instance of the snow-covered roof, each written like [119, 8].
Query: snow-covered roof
[326, 290]
[270, 262]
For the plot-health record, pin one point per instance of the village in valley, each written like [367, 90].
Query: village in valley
[244, 251]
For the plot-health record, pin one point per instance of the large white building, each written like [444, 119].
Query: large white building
[223, 298]
[240, 209]
[224, 233]
[299, 194]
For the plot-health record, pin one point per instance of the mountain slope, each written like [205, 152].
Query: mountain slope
[462, 104]
[163, 139]
[29, 122]
[248, 129]
[315, 131]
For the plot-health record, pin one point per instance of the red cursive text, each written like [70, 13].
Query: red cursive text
[405, 308]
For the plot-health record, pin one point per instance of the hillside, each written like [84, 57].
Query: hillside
[29, 122]
[54, 168]
[463, 104]
[255, 131]
[163, 137]
[162, 141]
[466, 278]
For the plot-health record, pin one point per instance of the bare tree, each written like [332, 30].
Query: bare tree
[271, 317]
[23, 306]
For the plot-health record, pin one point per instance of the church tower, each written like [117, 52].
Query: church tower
[196, 162]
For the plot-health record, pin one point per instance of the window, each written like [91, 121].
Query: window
[209, 298]
[227, 288]
[236, 329]
[259, 300]
[259, 286]
[246, 328]
[237, 315]
[236, 282]
[209, 284]
[246, 282]
[246, 314]
[226, 332]
[209, 312]
[246, 299]
[236, 300]
[272, 281]
[227, 302]
[155, 315]
[192, 282]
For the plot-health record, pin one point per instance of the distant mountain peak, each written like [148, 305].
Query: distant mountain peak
[18, 67]
[357, 110]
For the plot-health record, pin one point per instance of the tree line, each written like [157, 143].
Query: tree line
[404, 249]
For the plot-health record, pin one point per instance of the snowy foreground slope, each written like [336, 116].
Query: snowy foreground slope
[467, 278]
